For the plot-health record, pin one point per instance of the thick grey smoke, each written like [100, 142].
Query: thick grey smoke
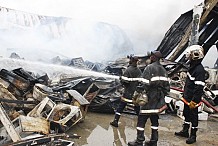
[140, 25]
[36, 37]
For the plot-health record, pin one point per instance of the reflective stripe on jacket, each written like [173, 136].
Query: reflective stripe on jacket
[195, 83]
[130, 87]
[158, 87]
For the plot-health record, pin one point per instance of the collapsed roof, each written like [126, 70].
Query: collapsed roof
[176, 40]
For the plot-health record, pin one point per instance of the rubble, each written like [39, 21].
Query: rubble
[40, 102]
[34, 105]
[57, 101]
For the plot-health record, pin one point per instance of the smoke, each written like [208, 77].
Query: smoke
[63, 37]
[129, 27]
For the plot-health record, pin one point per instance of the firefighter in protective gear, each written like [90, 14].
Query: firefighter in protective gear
[132, 71]
[193, 92]
[156, 90]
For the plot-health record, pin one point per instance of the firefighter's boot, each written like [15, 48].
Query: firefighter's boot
[154, 138]
[115, 121]
[139, 140]
[184, 132]
[192, 138]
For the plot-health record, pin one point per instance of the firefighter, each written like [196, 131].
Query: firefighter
[193, 92]
[156, 90]
[132, 71]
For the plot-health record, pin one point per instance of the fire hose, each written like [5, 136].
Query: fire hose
[174, 88]
[202, 100]
[188, 103]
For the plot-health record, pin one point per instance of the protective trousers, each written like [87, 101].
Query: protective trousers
[154, 128]
[191, 115]
[142, 119]
[119, 111]
[122, 105]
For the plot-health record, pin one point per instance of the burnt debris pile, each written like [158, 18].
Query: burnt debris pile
[35, 106]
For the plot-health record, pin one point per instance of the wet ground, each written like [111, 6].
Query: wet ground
[96, 131]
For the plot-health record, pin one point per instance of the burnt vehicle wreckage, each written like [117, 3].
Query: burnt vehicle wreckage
[37, 110]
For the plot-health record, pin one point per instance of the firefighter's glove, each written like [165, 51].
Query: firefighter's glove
[192, 105]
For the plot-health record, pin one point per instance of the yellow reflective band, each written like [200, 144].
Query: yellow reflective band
[126, 100]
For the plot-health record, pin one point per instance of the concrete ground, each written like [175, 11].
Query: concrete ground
[96, 131]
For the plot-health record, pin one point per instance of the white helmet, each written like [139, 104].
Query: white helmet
[194, 52]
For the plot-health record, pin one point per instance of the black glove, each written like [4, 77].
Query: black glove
[140, 88]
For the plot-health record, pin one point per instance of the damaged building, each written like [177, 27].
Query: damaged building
[40, 102]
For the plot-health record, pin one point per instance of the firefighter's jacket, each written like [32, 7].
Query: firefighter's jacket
[158, 85]
[129, 87]
[195, 83]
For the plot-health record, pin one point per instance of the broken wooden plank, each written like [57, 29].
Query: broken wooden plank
[76, 95]
[8, 125]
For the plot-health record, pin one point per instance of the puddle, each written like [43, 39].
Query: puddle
[96, 131]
